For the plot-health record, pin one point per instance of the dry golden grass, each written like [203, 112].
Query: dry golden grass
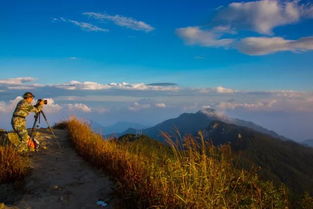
[306, 202]
[201, 176]
[13, 166]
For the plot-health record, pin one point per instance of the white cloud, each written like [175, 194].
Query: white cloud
[250, 45]
[286, 101]
[219, 89]
[288, 93]
[122, 21]
[51, 107]
[262, 16]
[136, 106]
[268, 45]
[263, 105]
[197, 36]
[17, 81]
[145, 104]
[294, 101]
[87, 26]
[143, 86]
[160, 105]
[223, 90]
[20, 83]
[25, 86]
[21, 87]
[206, 107]
[83, 25]
[259, 16]
[8, 107]
[78, 107]
[88, 85]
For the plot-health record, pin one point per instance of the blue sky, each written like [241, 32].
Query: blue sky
[31, 41]
[246, 46]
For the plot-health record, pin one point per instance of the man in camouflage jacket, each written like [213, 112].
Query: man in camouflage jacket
[22, 110]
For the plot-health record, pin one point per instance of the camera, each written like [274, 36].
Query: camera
[44, 101]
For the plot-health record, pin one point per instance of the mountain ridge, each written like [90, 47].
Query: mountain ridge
[188, 123]
[115, 128]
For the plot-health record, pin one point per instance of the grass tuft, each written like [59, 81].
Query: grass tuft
[13, 166]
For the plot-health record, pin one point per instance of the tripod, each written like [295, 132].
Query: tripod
[37, 120]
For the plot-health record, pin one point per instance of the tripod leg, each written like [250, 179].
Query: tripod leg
[37, 116]
[44, 116]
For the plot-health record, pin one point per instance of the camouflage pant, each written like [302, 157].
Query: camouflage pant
[19, 126]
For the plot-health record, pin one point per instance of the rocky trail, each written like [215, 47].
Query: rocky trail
[62, 179]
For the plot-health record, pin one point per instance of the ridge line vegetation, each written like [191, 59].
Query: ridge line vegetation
[151, 175]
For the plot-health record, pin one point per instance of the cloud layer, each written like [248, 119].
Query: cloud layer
[138, 102]
[162, 95]
[89, 85]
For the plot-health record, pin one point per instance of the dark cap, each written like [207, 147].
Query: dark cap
[28, 94]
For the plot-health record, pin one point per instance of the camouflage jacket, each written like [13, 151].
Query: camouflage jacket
[23, 108]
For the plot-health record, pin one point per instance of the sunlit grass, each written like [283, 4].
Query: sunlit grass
[13, 166]
[200, 176]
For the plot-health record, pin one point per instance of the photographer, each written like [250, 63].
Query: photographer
[22, 110]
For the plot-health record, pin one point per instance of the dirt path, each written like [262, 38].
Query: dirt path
[61, 179]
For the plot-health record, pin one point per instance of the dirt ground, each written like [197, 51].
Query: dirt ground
[61, 179]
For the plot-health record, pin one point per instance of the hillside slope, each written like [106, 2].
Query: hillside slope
[285, 161]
